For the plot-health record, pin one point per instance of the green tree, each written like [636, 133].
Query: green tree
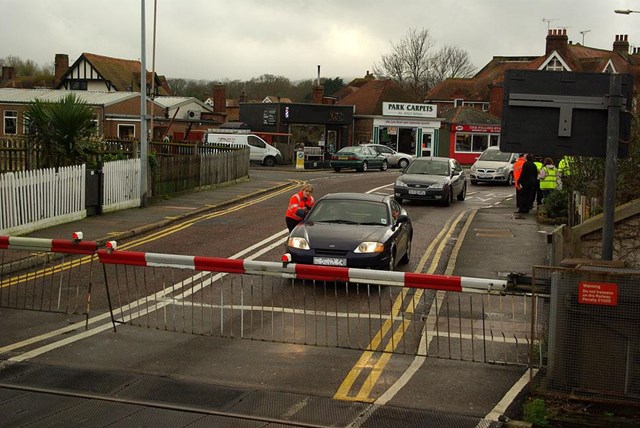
[63, 130]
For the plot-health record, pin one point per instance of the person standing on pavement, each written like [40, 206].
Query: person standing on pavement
[548, 178]
[517, 170]
[539, 165]
[526, 185]
[299, 205]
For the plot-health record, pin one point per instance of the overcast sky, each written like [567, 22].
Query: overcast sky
[241, 39]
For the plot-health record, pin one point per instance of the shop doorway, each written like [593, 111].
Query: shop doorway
[407, 140]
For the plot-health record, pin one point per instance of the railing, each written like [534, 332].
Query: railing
[439, 316]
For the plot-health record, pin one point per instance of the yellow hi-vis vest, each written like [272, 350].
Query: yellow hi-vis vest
[549, 181]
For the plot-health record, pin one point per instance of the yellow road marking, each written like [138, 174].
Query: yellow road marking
[368, 358]
[152, 237]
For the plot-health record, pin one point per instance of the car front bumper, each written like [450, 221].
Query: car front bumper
[353, 260]
[490, 177]
[419, 194]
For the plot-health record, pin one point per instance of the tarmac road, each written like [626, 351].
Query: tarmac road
[119, 378]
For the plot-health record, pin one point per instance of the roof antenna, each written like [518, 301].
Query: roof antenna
[549, 21]
[583, 32]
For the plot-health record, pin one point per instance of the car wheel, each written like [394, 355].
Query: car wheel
[364, 167]
[403, 163]
[407, 255]
[510, 180]
[447, 198]
[384, 166]
[336, 169]
[269, 161]
[463, 192]
[474, 182]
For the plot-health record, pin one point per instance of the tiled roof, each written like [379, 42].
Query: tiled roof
[369, 98]
[469, 116]
[578, 57]
[124, 74]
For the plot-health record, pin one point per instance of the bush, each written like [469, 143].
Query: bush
[556, 204]
[536, 412]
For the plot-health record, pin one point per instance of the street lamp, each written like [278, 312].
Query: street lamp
[626, 11]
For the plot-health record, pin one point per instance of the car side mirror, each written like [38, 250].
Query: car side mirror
[402, 218]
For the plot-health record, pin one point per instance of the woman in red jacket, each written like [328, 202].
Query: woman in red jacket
[299, 205]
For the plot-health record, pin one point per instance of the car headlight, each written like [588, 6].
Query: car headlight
[299, 243]
[370, 247]
[502, 169]
[400, 183]
[436, 186]
[473, 168]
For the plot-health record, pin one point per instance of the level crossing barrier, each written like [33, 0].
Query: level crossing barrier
[471, 319]
[49, 275]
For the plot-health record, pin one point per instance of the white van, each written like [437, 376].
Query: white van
[259, 150]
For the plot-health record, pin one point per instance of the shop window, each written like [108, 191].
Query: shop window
[10, 122]
[475, 143]
[126, 131]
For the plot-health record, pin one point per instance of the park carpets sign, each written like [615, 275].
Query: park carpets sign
[408, 109]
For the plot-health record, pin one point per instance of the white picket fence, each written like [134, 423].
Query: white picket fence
[31, 200]
[121, 185]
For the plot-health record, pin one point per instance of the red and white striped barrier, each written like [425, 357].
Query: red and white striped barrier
[299, 271]
[76, 246]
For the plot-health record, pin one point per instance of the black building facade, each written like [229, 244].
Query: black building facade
[289, 126]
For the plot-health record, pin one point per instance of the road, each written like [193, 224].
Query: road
[256, 230]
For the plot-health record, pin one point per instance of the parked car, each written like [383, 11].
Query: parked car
[395, 159]
[359, 158]
[357, 230]
[493, 166]
[432, 179]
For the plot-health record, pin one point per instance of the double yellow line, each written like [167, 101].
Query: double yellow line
[373, 361]
[147, 238]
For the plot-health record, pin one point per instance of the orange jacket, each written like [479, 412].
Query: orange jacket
[517, 169]
[296, 202]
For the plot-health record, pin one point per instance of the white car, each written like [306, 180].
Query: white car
[394, 158]
[493, 166]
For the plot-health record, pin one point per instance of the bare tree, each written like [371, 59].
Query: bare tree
[449, 62]
[415, 66]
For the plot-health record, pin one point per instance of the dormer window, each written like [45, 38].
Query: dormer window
[554, 65]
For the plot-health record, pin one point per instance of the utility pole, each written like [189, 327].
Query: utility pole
[143, 111]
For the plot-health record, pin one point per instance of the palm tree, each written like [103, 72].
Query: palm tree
[63, 130]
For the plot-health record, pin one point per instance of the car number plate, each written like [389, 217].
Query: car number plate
[343, 157]
[417, 192]
[484, 175]
[329, 261]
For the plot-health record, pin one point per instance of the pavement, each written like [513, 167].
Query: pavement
[504, 242]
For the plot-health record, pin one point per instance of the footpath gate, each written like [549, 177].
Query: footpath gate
[441, 316]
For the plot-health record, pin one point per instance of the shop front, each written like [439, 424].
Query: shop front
[318, 129]
[468, 141]
[408, 127]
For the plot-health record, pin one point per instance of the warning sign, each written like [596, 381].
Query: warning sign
[598, 293]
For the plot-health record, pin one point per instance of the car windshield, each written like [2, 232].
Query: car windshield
[349, 212]
[429, 167]
[351, 149]
[495, 155]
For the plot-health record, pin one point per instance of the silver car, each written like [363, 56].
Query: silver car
[395, 159]
[493, 166]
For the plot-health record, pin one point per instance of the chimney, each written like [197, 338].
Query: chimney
[219, 99]
[8, 73]
[621, 45]
[61, 66]
[557, 40]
